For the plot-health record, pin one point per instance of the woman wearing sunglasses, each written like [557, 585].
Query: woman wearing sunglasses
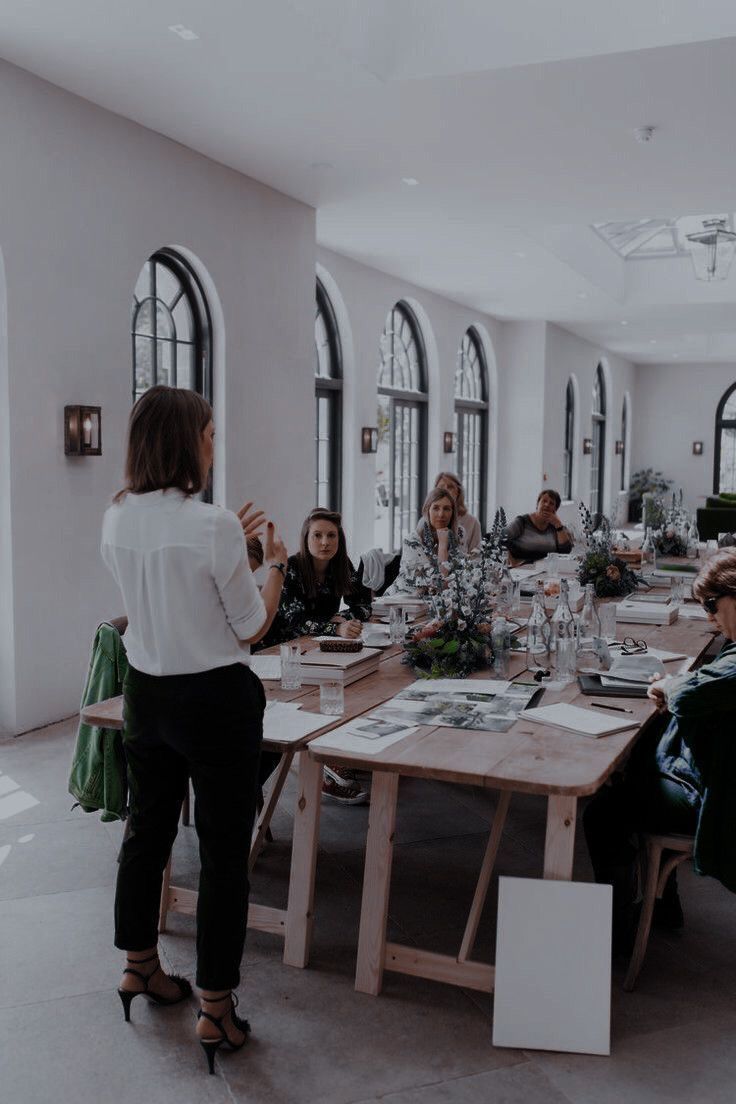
[683, 784]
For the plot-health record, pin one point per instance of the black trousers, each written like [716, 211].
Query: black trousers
[209, 727]
[640, 802]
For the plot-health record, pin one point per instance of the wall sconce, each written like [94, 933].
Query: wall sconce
[619, 448]
[82, 431]
[448, 442]
[369, 439]
[587, 446]
[697, 448]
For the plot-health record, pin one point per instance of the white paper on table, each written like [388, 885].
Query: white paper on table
[266, 667]
[289, 726]
[454, 686]
[520, 573]
[693, 612]
[660, 653]
[345, 739]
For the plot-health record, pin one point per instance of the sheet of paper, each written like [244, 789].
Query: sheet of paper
[345, 739]
[574, 719]
[289, 726]
[693, 612]
[267, 668]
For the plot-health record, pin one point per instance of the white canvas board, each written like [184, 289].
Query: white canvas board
[267, 668]
[553, 966]
[288, 726]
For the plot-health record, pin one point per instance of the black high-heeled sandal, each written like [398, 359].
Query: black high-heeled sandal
[126, 995]
[211, 1046]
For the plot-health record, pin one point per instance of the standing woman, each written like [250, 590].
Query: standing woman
[192, 706]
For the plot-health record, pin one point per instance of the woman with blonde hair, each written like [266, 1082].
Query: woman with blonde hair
[468, 527]
[438, 528]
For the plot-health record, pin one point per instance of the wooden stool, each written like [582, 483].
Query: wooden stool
[657, 873]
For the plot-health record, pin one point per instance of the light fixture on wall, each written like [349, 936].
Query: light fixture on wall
[712, 250]
[619, 448]
[448, 442]
[587, 446]
[697, 448]
[83, 430]
[369, 439]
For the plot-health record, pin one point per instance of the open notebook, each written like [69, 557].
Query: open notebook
[572, 718]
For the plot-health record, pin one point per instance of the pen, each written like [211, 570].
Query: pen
[618, 708]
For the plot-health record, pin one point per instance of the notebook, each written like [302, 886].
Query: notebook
[591, 684]
[574, 719]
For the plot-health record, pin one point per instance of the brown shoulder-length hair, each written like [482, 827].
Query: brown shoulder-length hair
[339, 570]
[164, 442]
[434, 496]
[460, 500]
[554, 495]
[718, 577]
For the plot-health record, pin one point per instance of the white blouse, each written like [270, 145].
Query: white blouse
[188, 591]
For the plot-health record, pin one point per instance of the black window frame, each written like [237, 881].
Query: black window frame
[201, 342]
[400, 399]
[624, 440]
[477, 408]
[330, 388]
[598, 418]
[568, 450]
[721, 424]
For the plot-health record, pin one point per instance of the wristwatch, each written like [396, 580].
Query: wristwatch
[279, 567]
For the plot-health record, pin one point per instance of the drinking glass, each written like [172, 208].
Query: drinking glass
[291, 667]
[331, 698]
[677, 592]
[607, 614]
[396, 625]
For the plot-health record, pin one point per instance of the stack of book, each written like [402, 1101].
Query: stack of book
[646, 613]
[344, 667]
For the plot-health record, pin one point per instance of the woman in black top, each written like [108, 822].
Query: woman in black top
[532, 536]
[318, 578]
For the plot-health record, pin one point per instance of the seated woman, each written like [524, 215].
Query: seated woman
[532, 536]
[438, 528]
[317, 579]
[468, 527]
[684, 783]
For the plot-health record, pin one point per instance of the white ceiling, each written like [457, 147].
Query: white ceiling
[516, 117]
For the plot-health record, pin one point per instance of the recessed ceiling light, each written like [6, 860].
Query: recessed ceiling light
[675, 355]
[183, 32]
[582, 295]
[624, 322]
[652, 341]
[518, 253]
[410, 181]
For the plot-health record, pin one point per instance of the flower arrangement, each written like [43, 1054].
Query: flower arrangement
[461, 592]
[611, 576]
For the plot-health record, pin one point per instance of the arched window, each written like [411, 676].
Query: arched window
[471, 422]
[724, 476]
[402, 409]
[328, 395]
[567, 452]
[624, 441]
[598, 455]
[171, 328]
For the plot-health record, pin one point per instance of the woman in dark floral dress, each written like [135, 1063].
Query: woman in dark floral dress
[318, 579]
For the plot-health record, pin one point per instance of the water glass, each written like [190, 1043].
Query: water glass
[677, 592]
[396, 625]
[607, 614]
[331, 698]
[291, 667]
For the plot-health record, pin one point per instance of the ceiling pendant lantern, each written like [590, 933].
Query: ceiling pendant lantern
[712, 250]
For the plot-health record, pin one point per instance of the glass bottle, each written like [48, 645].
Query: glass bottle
[589, 628]
[501, 645]
[505, 600]
[565, 636]
[648, 549]
[693, 540]
[538, 633]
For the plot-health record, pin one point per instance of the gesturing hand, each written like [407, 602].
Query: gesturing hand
[251, 520]
[349, 629]
[275, 550]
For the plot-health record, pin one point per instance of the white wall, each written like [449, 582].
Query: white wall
[676, 405]
[522, 391]
[568, 355]
[362, 297]
[86, 198]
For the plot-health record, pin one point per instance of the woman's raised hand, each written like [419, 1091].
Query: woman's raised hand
[251, 520]
[275, 549]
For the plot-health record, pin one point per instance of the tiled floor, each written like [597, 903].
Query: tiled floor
[315, 1039]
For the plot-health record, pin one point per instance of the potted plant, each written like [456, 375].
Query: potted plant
[646, 481]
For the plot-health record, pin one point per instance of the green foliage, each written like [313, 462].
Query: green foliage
[648, 481]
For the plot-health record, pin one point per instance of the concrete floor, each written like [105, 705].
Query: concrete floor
[314, 1039]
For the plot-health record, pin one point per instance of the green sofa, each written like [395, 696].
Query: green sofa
[717, 516]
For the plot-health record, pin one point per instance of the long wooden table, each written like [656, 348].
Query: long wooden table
[529, 758]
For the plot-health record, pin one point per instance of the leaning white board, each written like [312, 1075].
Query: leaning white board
[553, 966]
